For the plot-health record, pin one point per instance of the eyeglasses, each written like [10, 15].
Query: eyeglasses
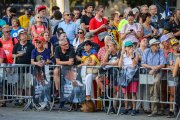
[65, 44]
[102, 11]
[80, 32]
[38, 42]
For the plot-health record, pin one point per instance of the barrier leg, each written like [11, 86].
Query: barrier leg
[119, 108]
[178, 115]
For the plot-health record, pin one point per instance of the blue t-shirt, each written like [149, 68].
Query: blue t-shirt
[14, 33]
[38, 56]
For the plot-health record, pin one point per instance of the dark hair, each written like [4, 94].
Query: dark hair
[130, 14]
[144, 16]
[59, 31]
[57, 15]
[88, 43]
[88, 4]
[55, 8]
[13, 10]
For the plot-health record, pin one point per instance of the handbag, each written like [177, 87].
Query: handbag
[102, 35]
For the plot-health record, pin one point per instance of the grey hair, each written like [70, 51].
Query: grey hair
[127, 10]
[151, 6]
[107, 37]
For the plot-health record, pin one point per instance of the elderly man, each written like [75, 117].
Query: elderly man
[155, 20]
[153, 59]
[69, 27]
[144, 9]
[64, 55]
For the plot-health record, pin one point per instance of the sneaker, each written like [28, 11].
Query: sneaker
[42, 105]
[147, 111]
[171, 115]
[152, 114]
[161, 112]
[133, 112]
[124, 112]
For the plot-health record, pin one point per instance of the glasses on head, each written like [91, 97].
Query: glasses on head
[38, 42]
[80, 32]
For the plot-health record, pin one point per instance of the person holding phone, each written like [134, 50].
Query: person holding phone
[130, 31]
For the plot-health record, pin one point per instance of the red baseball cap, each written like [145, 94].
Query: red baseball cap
[41, 7]
[41, 39]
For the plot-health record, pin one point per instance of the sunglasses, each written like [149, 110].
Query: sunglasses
[67, 14]
[38, 42]
[29, 14]
[80, 32]
[39, 17]
[7, 31]
[65, 44]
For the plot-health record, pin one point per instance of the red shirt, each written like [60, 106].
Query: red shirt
[94, 24]
[8, 48]
[3, 55]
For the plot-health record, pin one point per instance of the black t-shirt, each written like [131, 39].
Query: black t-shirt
[26, 49]
[64, 57]
[112, 58]
[85, 19]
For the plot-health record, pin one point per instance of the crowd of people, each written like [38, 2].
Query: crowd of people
[136, 38]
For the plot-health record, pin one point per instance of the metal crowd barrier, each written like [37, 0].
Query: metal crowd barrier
[38, 86]
[142, 86]
[15, 83]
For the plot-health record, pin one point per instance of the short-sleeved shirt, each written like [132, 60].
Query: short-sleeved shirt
[121, 24]
[14, 33]
[45, 21]
[112, 58]
[8, 48]
[172, 58]
[127, 61]
[85, 19]
[147, 31]
[38, 56]
[26, 49]
[24, 21]
[64, 57]
[3, 55]
[71, 30]
[131, 37]
[153, 59]
[8, 20]
[94, 24]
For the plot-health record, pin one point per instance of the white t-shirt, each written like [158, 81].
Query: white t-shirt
[127, 61]
[131, 37]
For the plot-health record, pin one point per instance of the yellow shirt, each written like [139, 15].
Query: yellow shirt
[24, 21]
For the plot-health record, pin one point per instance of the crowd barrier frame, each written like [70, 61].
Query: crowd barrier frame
[13, 95]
